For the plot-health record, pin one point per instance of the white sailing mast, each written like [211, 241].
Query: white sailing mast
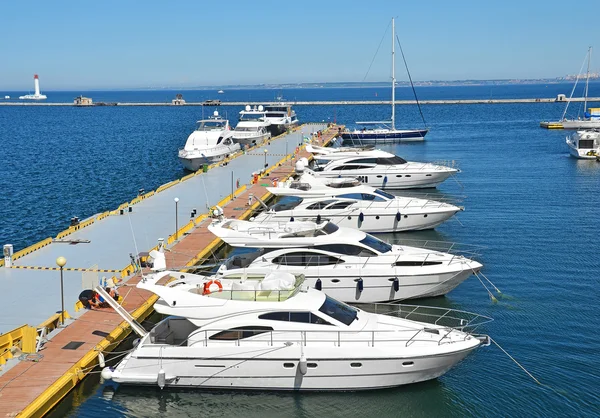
[394, 78]
[587, 79]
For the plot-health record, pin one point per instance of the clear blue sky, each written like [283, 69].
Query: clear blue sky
[104, 44]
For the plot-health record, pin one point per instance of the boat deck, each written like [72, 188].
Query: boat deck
[32, 386]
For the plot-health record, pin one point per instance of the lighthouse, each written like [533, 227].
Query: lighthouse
[36, 83]
[37, 95]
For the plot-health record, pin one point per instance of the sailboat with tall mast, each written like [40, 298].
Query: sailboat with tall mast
[386, 132]
[591, 116]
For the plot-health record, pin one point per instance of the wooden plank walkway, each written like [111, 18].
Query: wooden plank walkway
[33, 388]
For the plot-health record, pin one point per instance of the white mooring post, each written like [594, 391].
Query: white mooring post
[8, 253]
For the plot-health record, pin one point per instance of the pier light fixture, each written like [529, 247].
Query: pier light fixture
[266, 151]
[61, 262]
[176, 220]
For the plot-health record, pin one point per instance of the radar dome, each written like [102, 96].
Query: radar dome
[261, 108]
[304, 161]
[248, 108]
[300, 166]
[215, 113]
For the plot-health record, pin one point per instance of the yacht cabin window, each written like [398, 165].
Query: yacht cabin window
[362, 196]
[240, 333]
[287, 203]
[340, 205]
[211, 125]
[320, 205]
[376, 244]
[385, 194]
[338, 311]
[305, 317]
[306, 259]
[346, 249]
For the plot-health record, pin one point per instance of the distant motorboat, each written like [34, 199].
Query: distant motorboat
[252, 127]
[211, 141]
[584, 145]
[220, 92]
[281, 117]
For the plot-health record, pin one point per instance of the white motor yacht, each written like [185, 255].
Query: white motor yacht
[584, 144]
[361, 207]
[211, 141]
[345, 263]
[275, 333]
[252, 128]
[281, 117]
[381, 169]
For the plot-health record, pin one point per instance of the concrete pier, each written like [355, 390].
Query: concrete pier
[33, 385]
[321, 103]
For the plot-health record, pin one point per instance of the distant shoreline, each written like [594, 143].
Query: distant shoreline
[335, 85]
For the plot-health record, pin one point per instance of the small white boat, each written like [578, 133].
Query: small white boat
[584, 145]
[220, 92]
[345, 263]
[281, 117]
[380, 169]
[274, 333]
[211, 141]
[252, 128]
[361, 207]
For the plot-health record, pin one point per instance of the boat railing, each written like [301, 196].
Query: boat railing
[436, 334]
[454, 248]
[256, 295]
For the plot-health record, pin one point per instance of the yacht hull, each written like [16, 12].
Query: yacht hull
[394, 181]
[277, 367]
[373, 222]
[342, 283]
[369, 137]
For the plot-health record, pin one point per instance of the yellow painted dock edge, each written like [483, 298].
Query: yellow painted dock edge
[63, 385]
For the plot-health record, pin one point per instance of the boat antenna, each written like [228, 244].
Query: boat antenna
[587, 79]
[394, 77]
[411, 82]
[573, 90]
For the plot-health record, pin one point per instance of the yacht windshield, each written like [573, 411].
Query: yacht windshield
[287, 203]
[211, 125]
[338, 310]
[256, 117]
[395, 160]
[385, 194]
[246, 128]
[376, 244]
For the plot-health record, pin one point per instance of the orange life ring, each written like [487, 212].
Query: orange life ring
[209, 283]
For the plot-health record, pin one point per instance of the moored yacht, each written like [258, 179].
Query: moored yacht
[281, 117]
[252, 128]
[361, 207]
[345, 263]
[211, 141]
[584, 144]
[275, 333]
[382, 169]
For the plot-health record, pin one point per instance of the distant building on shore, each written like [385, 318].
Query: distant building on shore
[83, 101]
[178, 100]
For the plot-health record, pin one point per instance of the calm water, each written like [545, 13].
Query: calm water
[531, 206]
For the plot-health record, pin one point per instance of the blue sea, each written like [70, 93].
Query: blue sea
[531, 207]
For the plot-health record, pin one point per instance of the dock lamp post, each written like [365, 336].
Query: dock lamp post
[176, 220]
[266, 151]
[60, 262]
